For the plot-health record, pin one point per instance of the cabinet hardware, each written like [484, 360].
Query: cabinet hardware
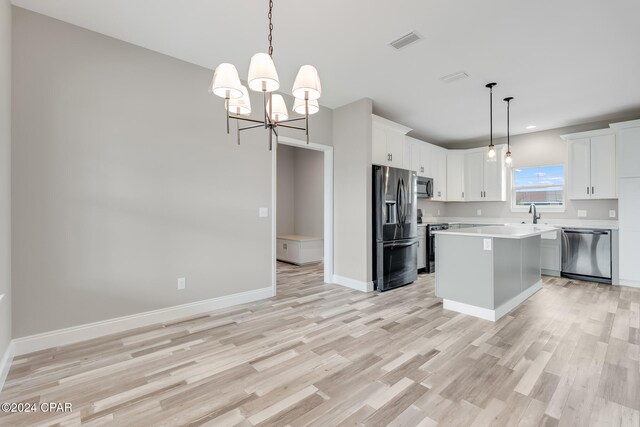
[463, 194]
[389, 156]
[593, 191]
[587, 190]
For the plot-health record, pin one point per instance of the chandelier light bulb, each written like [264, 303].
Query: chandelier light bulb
[508, 160]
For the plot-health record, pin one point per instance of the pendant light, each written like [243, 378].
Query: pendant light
[508, 160]
[491, 154]
[263, 77]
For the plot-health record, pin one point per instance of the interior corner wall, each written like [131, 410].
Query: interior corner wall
[352, 190]
[5, 178]
[124, 180]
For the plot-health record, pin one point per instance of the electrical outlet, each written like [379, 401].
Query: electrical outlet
[612, 214]
[263, 212]
[479, 212]
[582, 214]
[182, 283]
[487, 244]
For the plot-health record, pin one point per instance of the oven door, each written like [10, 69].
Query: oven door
[397, 263]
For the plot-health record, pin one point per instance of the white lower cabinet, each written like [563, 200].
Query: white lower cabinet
[422, 247]
[551, 253]
[299, 249]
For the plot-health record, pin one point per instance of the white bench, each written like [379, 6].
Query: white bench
[299, 250]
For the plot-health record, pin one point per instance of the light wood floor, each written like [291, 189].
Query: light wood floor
[325, 355]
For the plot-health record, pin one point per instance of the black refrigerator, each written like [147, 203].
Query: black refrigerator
[395, 227]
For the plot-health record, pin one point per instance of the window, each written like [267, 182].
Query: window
[542, 186]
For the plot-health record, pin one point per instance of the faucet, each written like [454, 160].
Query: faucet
[535, 216]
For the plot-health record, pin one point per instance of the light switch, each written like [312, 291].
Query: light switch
[182, 283]
[487, 244]
[479, 212]
[612, 214]
[582, 214]
[263, 212]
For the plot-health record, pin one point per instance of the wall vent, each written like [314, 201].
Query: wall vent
[405, 40]
[455, 76]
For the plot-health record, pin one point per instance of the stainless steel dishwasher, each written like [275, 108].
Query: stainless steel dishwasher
[586, 254]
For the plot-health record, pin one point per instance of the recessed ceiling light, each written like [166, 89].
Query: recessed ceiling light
[531, 127]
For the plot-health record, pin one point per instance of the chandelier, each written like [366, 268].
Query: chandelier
[263, 77]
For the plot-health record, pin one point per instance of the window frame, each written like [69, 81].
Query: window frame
[539, 208]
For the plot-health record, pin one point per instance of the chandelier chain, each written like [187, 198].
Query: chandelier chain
[270, 28]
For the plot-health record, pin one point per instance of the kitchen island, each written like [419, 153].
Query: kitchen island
[488, 271]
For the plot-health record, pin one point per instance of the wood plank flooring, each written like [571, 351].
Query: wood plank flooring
[324, 355]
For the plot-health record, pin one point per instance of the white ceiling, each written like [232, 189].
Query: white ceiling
[565, 62]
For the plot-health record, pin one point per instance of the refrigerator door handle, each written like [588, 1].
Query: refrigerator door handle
[399, 245]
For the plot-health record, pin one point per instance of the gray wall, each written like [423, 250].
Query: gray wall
[5, 175]
[286, 222]
[300, 200]
[536, 149]
[124, 180]
[309, 192]
[352, 190]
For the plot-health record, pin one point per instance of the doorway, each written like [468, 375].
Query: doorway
[302, 203]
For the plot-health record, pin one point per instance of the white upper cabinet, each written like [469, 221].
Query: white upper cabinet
[629, 151]
[603, 167]
[420, 157]
[592, 170]
[455, 176]
[438, 170]
[484, 181]
[388, 143]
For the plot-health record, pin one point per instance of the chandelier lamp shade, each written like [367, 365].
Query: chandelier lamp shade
[263, 77]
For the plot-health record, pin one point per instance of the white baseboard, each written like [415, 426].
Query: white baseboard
[630, 283]
[358, 285]
[5, 364]
[74, 334]
[488, 314]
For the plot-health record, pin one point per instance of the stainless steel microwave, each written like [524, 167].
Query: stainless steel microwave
[424, 188]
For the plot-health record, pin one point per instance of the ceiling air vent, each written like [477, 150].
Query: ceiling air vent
[405, 40]
[455, 76]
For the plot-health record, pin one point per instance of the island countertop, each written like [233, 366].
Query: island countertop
[504, 232]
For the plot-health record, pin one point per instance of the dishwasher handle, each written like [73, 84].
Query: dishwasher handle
[595, 232]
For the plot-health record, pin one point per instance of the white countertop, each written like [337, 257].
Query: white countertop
[501, 231]
[577, 222]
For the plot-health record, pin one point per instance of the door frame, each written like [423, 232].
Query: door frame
[327, 151]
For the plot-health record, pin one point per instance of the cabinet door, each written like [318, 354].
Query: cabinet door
[455, 176]
[603, 167]
[395, 148]
[426, 160]
[474, 176]
[416, 164]
[494, 177]
[629, 152]
[439, 170]
[379, 153]
[407, 160]
[579, 169]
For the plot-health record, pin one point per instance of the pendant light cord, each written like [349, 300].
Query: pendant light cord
[490, 116]
[508, 100]
[269, 15]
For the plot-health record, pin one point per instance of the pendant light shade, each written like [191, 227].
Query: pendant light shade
[299, 107]
[491, 154]
[508, 160]
[278, 108]
[307, 84]
[242, 105]
[226, 83]
[262, 73]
